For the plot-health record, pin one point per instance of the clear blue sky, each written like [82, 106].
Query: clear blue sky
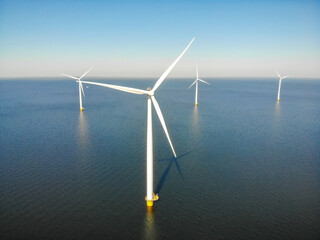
[142, 38]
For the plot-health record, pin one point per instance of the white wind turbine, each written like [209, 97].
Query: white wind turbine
[196, 82]
[280, 78]
[151, 197]
[80, 85]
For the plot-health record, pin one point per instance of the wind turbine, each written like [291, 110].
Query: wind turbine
[151, 197]
[196, 82]
[80, 86]
[280, 78]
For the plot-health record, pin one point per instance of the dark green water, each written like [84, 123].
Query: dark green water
[247, 167]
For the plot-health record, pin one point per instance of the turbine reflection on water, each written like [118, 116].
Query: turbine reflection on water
[277, 111]
[83, 135]
[195, 126]
[150, 231]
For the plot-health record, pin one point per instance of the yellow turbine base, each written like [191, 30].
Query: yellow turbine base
[278, 100]
[155, 197]
[196, 104]
[81, 109]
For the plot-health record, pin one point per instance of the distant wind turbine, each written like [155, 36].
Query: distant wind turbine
[280, 78]
[151, 197]
[80, 85]
[196, 82]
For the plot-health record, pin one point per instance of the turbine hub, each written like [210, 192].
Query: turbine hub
[150, 92]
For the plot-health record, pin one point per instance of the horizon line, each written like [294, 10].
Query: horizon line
[145, 78]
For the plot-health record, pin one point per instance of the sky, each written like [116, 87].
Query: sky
[142, 38]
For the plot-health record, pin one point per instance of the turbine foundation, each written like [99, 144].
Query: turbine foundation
[196, 104]
[81, 109]
[155, 197]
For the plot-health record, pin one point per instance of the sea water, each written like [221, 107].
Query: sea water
[247, 166]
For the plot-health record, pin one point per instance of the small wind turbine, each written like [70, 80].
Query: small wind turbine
[80, 85]
[280, 78]
[151, 197]
[196, 82]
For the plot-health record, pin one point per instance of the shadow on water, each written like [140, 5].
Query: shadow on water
[167, 170]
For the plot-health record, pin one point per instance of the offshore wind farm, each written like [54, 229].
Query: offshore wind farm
[80, 158]
[243, 160]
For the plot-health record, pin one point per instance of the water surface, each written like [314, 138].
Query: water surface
[248, 167]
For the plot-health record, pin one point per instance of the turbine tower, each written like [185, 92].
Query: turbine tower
[196, 82]
[151, 197]
[280, 78]
[80, 86]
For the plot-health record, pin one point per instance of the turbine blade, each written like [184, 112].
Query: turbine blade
[278, 74]
[203, 81]
[165, 74]
[69, 76]
[285, 77]
[120, 88]
[156, 106]
[82, 88]
[192, 84]
[85, 73]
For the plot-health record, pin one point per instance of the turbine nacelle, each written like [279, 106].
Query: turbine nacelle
[150, 92]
